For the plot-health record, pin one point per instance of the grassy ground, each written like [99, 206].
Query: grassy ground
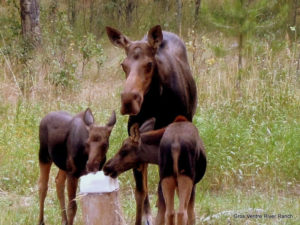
[252, 137]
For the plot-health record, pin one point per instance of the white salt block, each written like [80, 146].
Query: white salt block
[100, 200]
[98, 183]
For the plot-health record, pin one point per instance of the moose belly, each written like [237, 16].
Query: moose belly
[59, 156]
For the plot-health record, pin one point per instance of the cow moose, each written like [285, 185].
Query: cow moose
[77, 146]
[158, 84]
[180, 154]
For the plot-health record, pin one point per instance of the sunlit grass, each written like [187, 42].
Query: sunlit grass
[251, 135]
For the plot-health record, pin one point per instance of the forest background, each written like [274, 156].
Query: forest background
[244, 56]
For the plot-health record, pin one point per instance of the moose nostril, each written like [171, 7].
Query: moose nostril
[135, 96]
[106, 170]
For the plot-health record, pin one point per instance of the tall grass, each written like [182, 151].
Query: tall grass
[252, 135]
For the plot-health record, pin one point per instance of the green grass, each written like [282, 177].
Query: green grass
[251, 135]
[253, 162]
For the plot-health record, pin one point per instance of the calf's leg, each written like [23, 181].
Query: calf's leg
[161, 211]
[168, 188]
[60, 190]
[185, 187]
[72, 183]
[43, 187]
[191, 208]
[141, 195]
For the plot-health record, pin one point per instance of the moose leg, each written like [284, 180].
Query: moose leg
[147, 209]
[168, 188]
[60, 190]
[191, 208]
[141, 195]
[43, 187]
[160, 218]
[185, 187]
[72, 183]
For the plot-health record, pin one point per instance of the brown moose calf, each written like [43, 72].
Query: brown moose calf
[180, 154]
[76, 146]
[182, 164]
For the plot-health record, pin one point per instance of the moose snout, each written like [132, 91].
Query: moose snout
[92, 167]
[109, 170]
[131, 103]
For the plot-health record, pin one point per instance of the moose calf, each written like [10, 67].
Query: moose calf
[76, 146]
[182, 164]
[180, 154]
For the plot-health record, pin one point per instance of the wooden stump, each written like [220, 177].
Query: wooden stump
[101, 209]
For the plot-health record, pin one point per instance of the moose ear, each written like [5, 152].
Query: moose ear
[117, 38]
[152, 137]
[155, 37]
[148, 125]
[112, 121]
[88, 117]
[134, 132]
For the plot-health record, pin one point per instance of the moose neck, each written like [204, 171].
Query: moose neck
[149, 153]
[154, 89]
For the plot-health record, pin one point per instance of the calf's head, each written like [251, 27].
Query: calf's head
[97, 143]
[130, 153]
[139, 66]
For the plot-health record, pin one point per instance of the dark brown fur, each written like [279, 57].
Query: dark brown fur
[76, 146]
[182, 164]
[158, 84]
[145, 145]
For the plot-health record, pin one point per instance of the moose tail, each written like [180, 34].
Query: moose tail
[175, 155]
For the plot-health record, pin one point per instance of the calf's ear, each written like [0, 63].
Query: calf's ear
[152, 137]
[88, 117]
[155, 37]
[117, 38]
[147, 125]
[112, 121]
[134, 132]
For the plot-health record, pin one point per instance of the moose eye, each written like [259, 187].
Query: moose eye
[148, 67]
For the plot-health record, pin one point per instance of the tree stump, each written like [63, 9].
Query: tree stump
[101, 209]
[100, 200]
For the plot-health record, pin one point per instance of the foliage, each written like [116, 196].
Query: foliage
[252, 138]
[89, 48]
[246, 16]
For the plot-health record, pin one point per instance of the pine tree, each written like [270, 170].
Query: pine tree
[245, 19]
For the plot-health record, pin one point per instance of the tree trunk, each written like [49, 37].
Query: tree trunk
[30, 16]
[240, 62]
[179, 15]
[298, 68]
[72, 11]
[292, 18]
[129, 10]
[53, 13]
[197, 8]
[92, 11]
[83, 5]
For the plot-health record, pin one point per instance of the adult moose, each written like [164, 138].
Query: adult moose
[158, 84]
[77, 146]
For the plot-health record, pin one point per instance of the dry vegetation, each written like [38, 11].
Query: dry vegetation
[251, 133]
